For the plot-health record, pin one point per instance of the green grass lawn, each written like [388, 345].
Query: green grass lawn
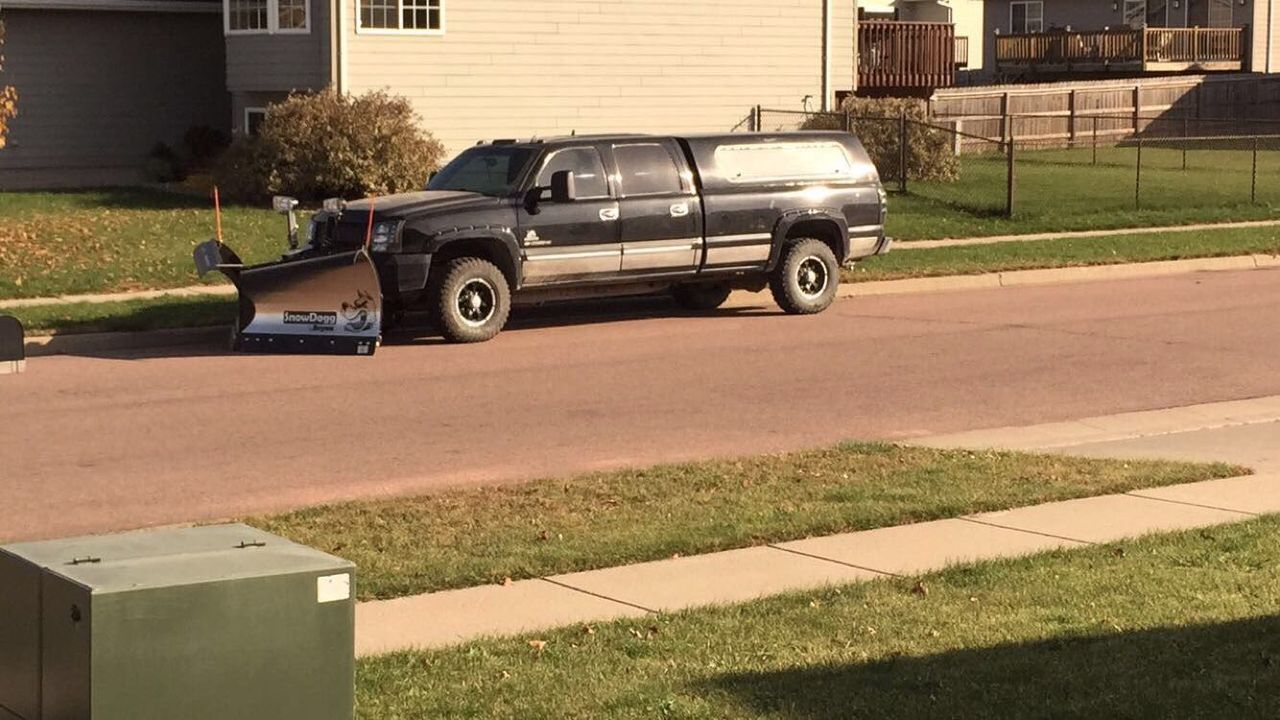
[54, 243]
[1171, 626]
[1061, 190]
[1066, 252]
[476, 536]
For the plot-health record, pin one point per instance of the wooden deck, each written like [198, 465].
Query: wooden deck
[894, 55]
[1123, 50]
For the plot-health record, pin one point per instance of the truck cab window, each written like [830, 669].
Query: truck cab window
[647, 169]
[588, 171]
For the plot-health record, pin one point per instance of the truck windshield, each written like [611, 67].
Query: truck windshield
[488, 170]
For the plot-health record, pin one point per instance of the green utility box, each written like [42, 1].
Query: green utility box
[207, 623]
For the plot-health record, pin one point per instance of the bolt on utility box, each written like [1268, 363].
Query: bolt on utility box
[197, 623]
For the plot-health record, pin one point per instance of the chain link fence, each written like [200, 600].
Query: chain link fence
[1091, 164]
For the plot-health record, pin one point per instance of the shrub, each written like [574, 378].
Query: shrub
[203, 144]
[325, 145]
[164, 165]
[8, 97]
[877, 123]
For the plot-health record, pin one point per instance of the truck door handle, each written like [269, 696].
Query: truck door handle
[680, 210]
[608, 214]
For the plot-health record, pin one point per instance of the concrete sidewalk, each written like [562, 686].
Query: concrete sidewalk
[1245, 432]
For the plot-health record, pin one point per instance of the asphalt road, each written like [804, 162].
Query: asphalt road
[100, 443]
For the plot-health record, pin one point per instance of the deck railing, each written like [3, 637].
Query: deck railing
[893, 54]
[1139, 47]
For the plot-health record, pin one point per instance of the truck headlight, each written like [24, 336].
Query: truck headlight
[283, 204]
[384, 236]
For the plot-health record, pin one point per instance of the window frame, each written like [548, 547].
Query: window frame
[675, 162]
[1026, 16]
[273, 21]
[248, 110]
[402, 30]
[609, 190]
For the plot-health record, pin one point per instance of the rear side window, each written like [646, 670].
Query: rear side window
[647, 169]
[783, 161]
[588, 171]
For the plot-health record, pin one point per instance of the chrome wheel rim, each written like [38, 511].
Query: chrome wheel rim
[812, 276]
[476, 302]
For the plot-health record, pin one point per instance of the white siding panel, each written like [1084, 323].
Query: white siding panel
[524, 67]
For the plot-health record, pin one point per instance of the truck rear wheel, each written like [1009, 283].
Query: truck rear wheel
[700, 297]
[473, 300]
[806, 278]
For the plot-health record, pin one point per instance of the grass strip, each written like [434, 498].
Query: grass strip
[476, 536]
[1182, 625]
[1066, 252]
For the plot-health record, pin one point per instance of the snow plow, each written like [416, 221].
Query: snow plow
[310, 301]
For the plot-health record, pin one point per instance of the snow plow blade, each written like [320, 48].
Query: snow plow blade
[323, 305]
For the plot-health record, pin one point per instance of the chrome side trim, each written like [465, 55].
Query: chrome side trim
[864, 229]
[739, 238]
[544, 264]
[739, 255]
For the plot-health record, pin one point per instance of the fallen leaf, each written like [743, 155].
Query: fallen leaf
[920, 589]
[538, 645]
[506, 581]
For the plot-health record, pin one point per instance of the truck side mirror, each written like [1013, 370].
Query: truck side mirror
[563, 187]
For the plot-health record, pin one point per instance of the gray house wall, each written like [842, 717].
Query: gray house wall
[281, 62]
[98, 89]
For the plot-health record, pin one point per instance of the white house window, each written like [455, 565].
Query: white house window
[1026, 16]
[245, 17]
[292, 15]
[394, 16]
[253, 117]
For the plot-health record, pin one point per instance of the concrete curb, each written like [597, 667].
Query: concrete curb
[1078, 234]
[45, 345]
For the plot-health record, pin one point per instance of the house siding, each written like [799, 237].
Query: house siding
[97, 90]
[282, 62]
[521, 67]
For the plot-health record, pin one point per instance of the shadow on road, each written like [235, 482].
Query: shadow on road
[1229, 670]
[217, 313]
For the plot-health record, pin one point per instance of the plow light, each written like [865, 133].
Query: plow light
[334, 206]
[283, 204]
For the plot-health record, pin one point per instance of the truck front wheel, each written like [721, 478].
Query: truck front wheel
[806, 278]
[473, 300]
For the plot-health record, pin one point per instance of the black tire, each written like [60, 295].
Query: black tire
[806, 278]
[473, 300]
[700, 297]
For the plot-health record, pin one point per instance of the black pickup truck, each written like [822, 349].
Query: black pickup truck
[584, 216]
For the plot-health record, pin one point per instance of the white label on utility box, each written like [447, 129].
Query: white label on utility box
[333, 588]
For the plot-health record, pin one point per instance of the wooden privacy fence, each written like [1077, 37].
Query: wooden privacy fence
[1065, 111]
